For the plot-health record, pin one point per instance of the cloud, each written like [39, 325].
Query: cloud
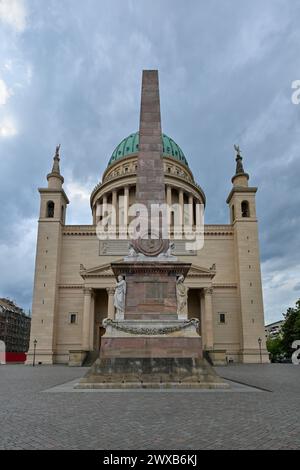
[279, 288]
[5, 92]
[79, 196]
[7, 127]
[17, 260]
[224, 78]
[13, 13]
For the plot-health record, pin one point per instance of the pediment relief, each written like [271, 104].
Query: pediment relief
[104, 270]
[199, 271]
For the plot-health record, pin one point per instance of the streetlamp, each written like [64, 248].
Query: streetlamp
[34, 348]
[259, 344]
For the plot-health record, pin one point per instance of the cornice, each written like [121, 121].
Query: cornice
[225, 285]
[71, 286]
[54, 191]
[240, 189]
[131, 177]
[90, 230]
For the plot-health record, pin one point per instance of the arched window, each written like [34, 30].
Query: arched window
[233, 214]
[245, 209]
[62, 214]
[50, 209]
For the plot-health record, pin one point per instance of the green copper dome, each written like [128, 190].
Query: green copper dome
[130, 146]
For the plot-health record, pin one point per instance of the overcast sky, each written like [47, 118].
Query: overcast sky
[70, 73]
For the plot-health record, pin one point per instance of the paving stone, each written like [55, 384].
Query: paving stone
[33, 419]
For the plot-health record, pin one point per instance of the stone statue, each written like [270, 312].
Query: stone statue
[239, 160]
[170, 249]
[131, 250]
[237, 149]
[57, 151]
[119, 298]
[181, 293]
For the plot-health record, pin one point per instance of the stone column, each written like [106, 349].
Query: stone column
[191, 210]
[208, 316]
[126, 205]
[202, 312]
[86, 319]
[101, 208]
[123, 212]
[114, 210]
[181, 204]
[110, 304]
[92, 321]
[169, 204]
[104, 203]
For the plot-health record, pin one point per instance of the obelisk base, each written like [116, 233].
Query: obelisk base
[151, 354]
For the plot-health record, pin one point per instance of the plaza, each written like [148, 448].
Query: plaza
[39, 409]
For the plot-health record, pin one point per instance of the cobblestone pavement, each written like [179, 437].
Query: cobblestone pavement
[33, 419]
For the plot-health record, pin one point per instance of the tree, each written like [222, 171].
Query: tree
[291, 328]
[274, 346]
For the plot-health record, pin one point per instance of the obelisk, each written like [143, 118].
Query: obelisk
[150, 347]
[150, 186]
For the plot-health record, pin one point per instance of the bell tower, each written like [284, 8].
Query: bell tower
[53, 203]
[242, 207]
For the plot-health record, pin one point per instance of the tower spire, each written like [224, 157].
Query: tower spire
[239, 160]
[240, 178]
[55, 179]
[56, 159]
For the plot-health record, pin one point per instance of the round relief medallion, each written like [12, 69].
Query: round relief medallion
[151, 245]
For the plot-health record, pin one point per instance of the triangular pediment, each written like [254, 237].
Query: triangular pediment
[200, 271]
[103, 270]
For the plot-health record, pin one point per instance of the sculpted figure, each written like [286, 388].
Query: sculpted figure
[57, 149]
[181, 292]
[170, 249]
[131, 250]
[237, 149]
[119, 298]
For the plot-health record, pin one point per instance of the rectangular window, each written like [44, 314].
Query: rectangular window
[73, 318]
[222, 318]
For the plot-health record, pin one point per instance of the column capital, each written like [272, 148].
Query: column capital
[110, 290]
[208, 290]
[87, 291]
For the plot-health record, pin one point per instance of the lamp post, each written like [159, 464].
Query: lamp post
[259, 344]
[34, 348]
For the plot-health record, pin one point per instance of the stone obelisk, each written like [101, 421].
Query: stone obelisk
[150, 346]
[150, 186]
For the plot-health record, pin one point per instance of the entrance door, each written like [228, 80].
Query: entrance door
[194, 305]
[101, 333]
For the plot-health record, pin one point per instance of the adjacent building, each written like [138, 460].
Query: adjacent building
[273, 329]
[14, 327]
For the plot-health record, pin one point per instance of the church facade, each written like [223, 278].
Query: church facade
[74, 283]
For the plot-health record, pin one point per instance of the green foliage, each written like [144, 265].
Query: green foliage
[274, 346]
[291, 328]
